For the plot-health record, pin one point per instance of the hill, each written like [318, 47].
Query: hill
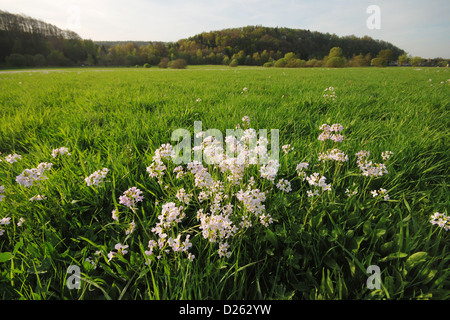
[260, 43]
[28, 42]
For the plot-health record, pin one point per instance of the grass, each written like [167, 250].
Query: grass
[117, 118]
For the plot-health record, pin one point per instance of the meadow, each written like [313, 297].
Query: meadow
[356, 207]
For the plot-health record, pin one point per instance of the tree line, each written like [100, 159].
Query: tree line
[28, 42]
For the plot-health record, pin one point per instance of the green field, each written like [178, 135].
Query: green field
[317, 247]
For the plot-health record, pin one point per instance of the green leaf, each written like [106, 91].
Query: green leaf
[272, 238]
[394, 256]
[5, 256]
[415, 259]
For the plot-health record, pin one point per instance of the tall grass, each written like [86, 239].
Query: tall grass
[117, 118]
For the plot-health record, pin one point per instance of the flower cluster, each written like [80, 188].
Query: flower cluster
[370, 168]
[441, 220]
[331, 132]
[380, 193]
[60, 151]
[216, 227]
[97, 177]
[351, 193]
[287, 148]
[11, 158]
[318, 181]
[30, 177]
[121, 249]
[157, 167]
[300, 169]
[130, 197]
[386, 155]
[170, 216]
[329, 93]
[182, 196]
[253, 200]
[334, 154]
[284, 185]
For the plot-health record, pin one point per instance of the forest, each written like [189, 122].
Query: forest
[29, 42]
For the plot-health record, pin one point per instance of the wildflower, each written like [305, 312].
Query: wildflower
[335, 154]
[253, 200]
[215, 227]
[223, 250]
[131, 228]
[386, 154]
[111, 255]
[114, 215]
[441, 220]
[5, 221]
[2, 231]
[352, 193]
[179, 171]
[21, 221]
[300, 167]
[198, 100]
[152, 244]
[121, 248]
[130, 197]
[2, 190]
[329, 93]
[60, 151]
[38, 197]
[11, 158]
[191, 257]
[369, 168]
[328, 134]
[265, 219]
[97, 177]
[270, 170]
[182, 196]
[284, 185]
[380, 193]
[311, 193]
[287, 148]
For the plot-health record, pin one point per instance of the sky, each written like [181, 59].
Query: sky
[421, 28]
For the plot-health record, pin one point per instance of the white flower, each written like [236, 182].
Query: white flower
[386, 154]
[4, 221]
[21, 221]
[114, 215]
[2, 190]
[441, 220]
[284, 185]
[60, 151]
[182, 196]
[11, 158]
[38, 197]
[97, 177]
[287, 148]
[131, 228]
[130, 197]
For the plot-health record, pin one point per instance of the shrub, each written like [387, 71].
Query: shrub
[163, 63]
[280, 63]
[335, 62]
[178, 64]
[147, 65]
[15, 60]
[295, 63]
[39, 60]
[234, 63]
[378, 62]
[268, 64]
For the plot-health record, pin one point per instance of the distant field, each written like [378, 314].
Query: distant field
[316, 247]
